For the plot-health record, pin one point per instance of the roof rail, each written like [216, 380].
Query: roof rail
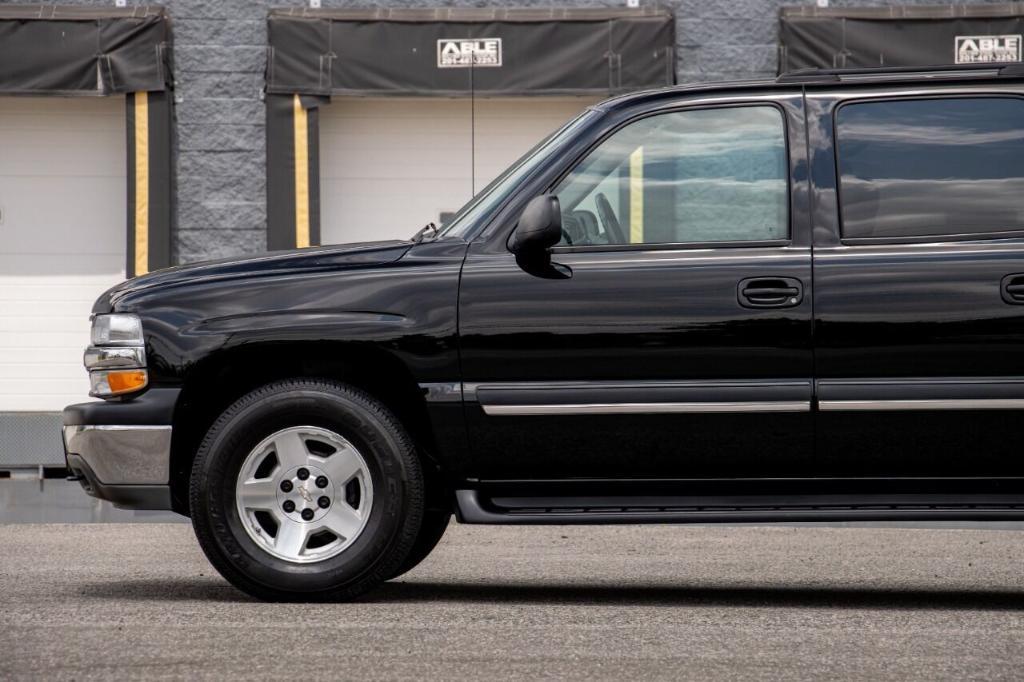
[986, 69]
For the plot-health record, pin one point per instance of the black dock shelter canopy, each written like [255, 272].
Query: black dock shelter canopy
[56, 50]
[48, 49]
[856, 37]
[449, 52]
[314, 55]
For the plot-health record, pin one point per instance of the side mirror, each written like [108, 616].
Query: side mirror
[540, 226]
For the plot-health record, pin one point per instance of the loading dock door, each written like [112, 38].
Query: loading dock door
[62, 240]
[390, 165]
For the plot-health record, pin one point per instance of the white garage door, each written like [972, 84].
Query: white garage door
[389, 166]
[62, 240]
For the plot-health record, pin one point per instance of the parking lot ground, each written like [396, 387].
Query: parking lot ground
[654, 602]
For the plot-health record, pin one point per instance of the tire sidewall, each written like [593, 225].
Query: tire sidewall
[278, 407]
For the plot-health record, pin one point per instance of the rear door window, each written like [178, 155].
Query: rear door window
[931, 167]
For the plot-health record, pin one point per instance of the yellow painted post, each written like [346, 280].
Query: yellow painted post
[301, 175]
[141, 183]
[636, 196]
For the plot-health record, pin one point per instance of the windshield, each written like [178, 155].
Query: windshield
[494, 194]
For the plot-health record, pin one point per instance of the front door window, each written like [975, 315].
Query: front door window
[696, 176]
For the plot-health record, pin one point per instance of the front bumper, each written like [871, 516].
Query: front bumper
[121, 451]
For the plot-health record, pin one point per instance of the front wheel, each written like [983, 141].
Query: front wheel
[307, 490]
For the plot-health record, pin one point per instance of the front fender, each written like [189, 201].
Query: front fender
[406, 308]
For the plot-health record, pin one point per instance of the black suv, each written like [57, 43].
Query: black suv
[800, 299]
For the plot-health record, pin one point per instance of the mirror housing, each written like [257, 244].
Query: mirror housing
[539, 228]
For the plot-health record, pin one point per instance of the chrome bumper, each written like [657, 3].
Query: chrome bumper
[122, 455]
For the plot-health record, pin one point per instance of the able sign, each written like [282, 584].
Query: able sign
[980, 49]
[458, 53]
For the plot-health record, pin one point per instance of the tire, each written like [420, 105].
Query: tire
[435, 522]
[240, 509]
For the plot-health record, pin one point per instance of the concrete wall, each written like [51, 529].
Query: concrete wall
[220, 56]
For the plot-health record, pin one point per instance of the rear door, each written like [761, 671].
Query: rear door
[919, 283]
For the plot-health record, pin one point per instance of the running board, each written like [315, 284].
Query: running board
[475, 507]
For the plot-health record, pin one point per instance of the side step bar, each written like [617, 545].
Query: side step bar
[473, 506]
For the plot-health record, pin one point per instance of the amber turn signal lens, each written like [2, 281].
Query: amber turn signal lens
[126, 380]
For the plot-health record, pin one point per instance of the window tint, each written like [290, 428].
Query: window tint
[931, 167]
[708, 175]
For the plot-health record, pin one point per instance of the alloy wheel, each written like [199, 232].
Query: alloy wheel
[304, 494]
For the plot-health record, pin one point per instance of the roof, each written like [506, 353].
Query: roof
[831, 77]
[641, 96]
[976, 71]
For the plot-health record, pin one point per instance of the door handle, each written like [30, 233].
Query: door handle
[1012, 289]
[773, 292]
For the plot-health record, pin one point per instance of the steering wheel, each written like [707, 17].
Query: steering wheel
[611, 223]
[570, 227]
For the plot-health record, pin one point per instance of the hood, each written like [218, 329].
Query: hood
[268, 264]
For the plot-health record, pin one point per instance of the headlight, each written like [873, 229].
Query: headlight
[116, 360]
[117, 330]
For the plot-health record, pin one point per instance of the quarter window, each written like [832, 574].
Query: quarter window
[703, 175]
[934, 167]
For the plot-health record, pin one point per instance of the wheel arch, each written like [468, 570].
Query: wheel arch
[219, 380]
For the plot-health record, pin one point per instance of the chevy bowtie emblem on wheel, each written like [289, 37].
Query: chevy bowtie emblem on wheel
[454, 54]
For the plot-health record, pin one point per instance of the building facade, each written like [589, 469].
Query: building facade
[210, 135]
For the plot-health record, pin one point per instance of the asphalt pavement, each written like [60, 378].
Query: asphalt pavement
[655, 602]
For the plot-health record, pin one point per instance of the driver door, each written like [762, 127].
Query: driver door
[671, 336]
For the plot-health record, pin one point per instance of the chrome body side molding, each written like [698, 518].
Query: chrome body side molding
[646, 408]
[924, 404]
[536, 398]
[912, 393]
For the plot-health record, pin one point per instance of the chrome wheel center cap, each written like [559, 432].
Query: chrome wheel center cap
[305, 494]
